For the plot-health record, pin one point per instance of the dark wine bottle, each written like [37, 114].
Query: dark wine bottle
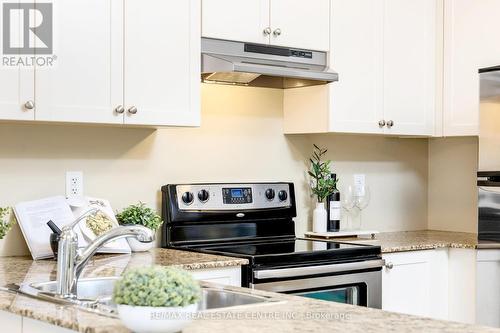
[333, 209]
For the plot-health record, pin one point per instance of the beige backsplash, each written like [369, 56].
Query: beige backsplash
[240, 140]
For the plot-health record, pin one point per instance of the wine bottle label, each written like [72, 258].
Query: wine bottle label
[334, 210]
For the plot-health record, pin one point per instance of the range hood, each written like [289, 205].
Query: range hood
[257, 65]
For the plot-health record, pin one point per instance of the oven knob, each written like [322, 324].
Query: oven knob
[270, 194]
[187, 198]
[282, 195]
[203, 195]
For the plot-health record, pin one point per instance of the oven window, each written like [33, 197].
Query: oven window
[347, 295]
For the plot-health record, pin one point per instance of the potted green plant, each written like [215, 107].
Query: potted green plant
[142, 215]
[156, 299]
[322, 185]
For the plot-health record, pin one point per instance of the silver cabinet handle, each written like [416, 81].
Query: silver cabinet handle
[390, 123]
[381, 123]
[132, 110]
[119, 109]
[389, 265]
[277, 32]
[267, 31]
[29, 105]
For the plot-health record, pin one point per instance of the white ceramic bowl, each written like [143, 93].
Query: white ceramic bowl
[137, 246]
[148, 319]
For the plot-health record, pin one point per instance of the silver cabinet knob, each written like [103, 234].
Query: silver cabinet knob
[267, 31]
[390, 123]
[119, 109]
[389, 265]
[132, 110]
[381, 123]
[277, 32]
[29, 105]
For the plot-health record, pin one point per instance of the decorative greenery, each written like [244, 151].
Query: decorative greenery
[322, 184]
[140, 214]
[6, 222]
[156, 286]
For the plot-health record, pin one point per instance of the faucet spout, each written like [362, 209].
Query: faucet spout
[71, 261]
[142, 234]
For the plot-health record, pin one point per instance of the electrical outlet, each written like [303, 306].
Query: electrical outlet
[74, 184]
[359, 184]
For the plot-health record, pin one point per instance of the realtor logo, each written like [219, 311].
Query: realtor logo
[27, 28]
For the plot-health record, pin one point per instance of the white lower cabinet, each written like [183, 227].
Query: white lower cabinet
[416, 283]
[230, 276]
[10, 322]
[13, 323]
[488, 288]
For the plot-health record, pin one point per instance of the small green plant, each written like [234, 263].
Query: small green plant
[322, 184]
[6, 222]
[140, 214]
[156, 286]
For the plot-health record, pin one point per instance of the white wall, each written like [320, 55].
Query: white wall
[240, 140]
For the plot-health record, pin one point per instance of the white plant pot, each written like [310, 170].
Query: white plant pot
[319, 218]
[148, 319]
[137, 246]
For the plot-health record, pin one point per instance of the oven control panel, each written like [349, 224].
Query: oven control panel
[233, 196]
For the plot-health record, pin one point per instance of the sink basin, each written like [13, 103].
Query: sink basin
[95, 295]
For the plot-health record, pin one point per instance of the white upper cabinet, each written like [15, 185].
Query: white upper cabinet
[85, 84]
[118, 62]
[16, 83]
[162, 62]
[385, 53]
[290, 23]
[357, 55]
[471, 34]
[239, 20]
[17, 94]
[301, 24]
[409, 79]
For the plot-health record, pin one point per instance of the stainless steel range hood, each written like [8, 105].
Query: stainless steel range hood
[257, 65]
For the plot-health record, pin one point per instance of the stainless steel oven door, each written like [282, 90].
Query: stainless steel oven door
[358, 283]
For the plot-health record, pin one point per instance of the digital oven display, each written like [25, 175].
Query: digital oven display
[234, 196]
[236, 193]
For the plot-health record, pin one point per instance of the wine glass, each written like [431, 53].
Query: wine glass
[348, 201]
[362, 199]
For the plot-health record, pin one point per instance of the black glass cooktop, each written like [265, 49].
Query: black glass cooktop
[298, 250]
[296, 246]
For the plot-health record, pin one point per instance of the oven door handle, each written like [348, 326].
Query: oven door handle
[314, 270]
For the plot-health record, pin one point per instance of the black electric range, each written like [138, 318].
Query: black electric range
[255, 221]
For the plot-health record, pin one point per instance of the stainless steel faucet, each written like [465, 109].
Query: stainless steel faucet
[71, 260]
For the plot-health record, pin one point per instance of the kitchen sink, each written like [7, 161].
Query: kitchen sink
[95, 295]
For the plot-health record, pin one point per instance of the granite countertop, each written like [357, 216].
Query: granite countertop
[401, 241]
[289, 314]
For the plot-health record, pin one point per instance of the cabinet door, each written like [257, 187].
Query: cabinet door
[230, 276]
[416, 283]
[16, 83]
[10, 322]
[301, 24]
[410, 66]
[488, 288]
[406, 286]
[240, 20]
[162, 62]
[85, 85]
[471, 34]
[356, 53]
